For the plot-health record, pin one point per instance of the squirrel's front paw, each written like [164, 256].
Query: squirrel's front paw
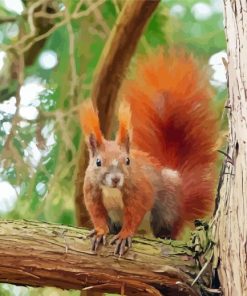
[98, 237]
[123, 243]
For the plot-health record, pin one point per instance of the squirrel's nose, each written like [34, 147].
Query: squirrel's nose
[115, 180]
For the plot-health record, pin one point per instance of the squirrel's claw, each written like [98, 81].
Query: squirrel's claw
[96, 240]
[91, 233]
[121, 244]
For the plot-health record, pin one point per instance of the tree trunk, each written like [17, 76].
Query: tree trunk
[42, 254]
[230, 224]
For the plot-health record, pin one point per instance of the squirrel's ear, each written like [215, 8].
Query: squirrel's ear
[92, 144]
[124, 130]
[90, 125]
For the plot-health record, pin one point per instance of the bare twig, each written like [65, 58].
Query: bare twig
[88, 11]
[15, 120]
[43, 14]
[99, 19]
[30, 39]
[73, 84]
[30, 17]
[8, 19]
[202, 270]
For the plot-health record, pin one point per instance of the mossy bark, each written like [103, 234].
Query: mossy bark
[42, 254]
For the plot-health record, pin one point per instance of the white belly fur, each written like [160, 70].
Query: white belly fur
[113, 202]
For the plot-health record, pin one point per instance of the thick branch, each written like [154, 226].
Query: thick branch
[116, 57]
[41, 254]
[108, 77]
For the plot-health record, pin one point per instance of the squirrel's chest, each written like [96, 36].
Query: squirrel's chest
[113, 202]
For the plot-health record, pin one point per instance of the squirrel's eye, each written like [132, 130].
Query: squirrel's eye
[127, 161]
[98, 162]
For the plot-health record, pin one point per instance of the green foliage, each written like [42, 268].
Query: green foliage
[203, 37]
[4, 291]
[7, 290]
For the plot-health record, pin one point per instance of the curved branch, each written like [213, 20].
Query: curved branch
[116, 56]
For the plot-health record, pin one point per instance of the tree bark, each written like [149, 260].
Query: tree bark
[42, 254]
[109, 74]
[230, 223]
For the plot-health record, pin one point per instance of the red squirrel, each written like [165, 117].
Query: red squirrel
[162, 163]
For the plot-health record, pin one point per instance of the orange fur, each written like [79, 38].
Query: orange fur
[173, 121]
[90, 122]
[167, 170]
[124, 119]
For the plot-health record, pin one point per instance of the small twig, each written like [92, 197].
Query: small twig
[15, 119]
[30, 16]
[65, 135]
[42, 14]
[42, 36]
[94, 31]
[101, 286]
[31, 39]
[78, 6]
[58, 113]
[30, 19]
[116, 5]
[8, 19]
[202, 270]
[64, 22]
[211, 290]
[88, 11]
[185, 287]
[73, 84]
[227, 156]
[100, 20]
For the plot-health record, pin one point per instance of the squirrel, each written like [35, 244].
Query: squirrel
[162, 164]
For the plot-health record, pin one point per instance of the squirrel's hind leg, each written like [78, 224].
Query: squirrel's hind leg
[158, 225]
[166, 211]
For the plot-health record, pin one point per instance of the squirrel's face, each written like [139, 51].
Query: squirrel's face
[109, 163]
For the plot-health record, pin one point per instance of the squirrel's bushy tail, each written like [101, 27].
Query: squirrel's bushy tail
[173, 120]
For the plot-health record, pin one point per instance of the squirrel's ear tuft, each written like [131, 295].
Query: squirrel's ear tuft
[90, 125]
[124, 130]
[93, 144]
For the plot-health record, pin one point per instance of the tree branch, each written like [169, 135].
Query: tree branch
[42, 254]
[7, 19]
[42, 25]
[116, 56]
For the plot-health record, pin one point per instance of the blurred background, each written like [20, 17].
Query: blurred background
[49, 50]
